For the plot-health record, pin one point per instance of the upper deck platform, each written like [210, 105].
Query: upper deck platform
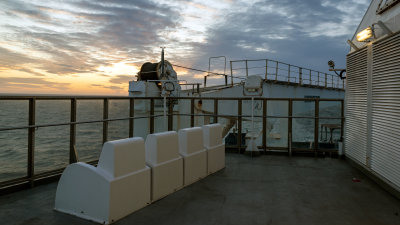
[270, 189]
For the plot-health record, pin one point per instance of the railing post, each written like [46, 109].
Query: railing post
[131, 114]
[215, 110]
[170, 115]
[342, 120]
[73, 158]
[326, 80]
[290, 126]
[31, 141]
[266, 69]
[105, 123]
[239, 137]
[231, 73]
[337, 82]
[276, 71]
[316, 125]
[151, 115]
[300, 76]
[264, 131]
[247, 69]
[192, 112]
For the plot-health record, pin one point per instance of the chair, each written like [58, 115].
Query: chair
[162, 155]
[194, 155]
[118, 186]
[215, 147]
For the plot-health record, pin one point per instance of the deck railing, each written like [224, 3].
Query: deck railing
[314, 119]
[276, 71]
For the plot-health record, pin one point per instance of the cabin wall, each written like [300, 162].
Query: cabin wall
[372, 135]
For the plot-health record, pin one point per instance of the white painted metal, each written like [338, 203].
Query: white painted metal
[390, 18]
[194, 154]
[212, 135]
[385, 159]
[356, 106]
[118, 186]
[162, 155]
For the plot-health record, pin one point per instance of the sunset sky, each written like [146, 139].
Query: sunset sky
[96, 47]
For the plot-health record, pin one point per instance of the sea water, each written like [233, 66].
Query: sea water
[52, 144]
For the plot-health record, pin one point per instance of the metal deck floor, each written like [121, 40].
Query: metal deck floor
[270, 189]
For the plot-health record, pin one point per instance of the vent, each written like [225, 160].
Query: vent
[385, 158]
[356, 106]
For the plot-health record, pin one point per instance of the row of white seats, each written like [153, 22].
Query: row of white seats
[132, 173]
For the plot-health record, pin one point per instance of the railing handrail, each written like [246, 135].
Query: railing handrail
[31, 177]
[289, 68]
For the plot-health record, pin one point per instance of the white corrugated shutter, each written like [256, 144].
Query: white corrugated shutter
[356, 106]
[385, 152]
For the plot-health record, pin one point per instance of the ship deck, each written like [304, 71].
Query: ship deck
[270, 189]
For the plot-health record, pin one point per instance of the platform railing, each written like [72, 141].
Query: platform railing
[31, 178]
[276, 71]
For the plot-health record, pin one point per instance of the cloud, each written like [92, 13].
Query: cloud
[82, 35]
[77, 37]
[29, 82]
[121, 79]
[304, 33]
[112, 87]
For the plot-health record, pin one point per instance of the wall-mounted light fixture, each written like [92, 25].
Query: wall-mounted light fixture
[365, 34]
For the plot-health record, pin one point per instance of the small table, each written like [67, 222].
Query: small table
[331, 128]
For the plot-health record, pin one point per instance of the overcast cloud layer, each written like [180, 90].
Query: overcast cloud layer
[50, 41]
